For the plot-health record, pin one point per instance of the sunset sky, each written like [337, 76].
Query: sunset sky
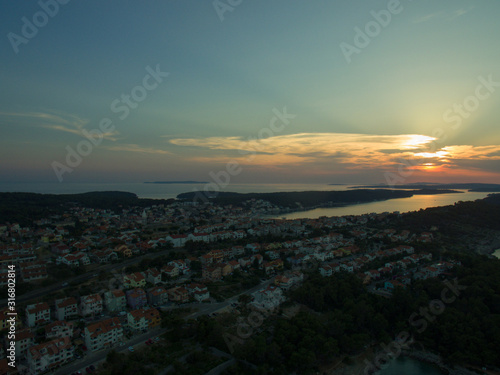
[348, 91]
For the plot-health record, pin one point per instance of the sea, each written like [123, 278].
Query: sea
[409, 366]
[165, 191]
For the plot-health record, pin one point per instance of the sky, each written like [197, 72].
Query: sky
[240, 91]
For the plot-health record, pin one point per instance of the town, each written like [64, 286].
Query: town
[91, 279]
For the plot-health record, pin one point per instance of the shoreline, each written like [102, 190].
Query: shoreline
[360, 362]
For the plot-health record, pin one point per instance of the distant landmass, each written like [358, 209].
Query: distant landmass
[176, 182]
[24, 208]
[472, 187]
[311, 199]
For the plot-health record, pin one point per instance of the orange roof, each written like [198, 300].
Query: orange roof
[157, 291]
[24, 334]
[65, 302]
[118, 293]
[103, 326]
[41, 306]
[53, 347]
[148, 314]
[92, 298]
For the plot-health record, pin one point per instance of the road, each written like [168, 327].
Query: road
[40, 292]
[204, 309]
[92, 358]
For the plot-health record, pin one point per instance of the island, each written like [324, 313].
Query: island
[472, 187]
[176, 182]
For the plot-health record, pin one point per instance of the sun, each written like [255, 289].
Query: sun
[429, 167]
[416, 141]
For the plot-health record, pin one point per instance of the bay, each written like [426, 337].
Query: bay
[402, 205]
[166, 191]
[409, 366]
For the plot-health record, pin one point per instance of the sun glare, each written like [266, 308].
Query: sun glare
[416, 140]
[429, 155]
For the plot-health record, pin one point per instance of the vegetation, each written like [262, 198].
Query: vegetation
[311, 198]
[24, 208]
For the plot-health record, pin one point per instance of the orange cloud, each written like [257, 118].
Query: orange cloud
[334, 151]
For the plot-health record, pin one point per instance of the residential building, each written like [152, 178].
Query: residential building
[115, 300]
[170, 271]
[24, 340]
[91, 305]
[226, 269]
[235, 265]
[49, 355]
[60, 328]
[212, 273]
[66, 308]
[4, 319]
[283, 282]
[143, 319]
[153, 276]
[326, 270]
[103, 334]
[181, 264]
[38, 313]
[136, 298]
[178, 294]
[177, 240]
[392, 284]
[199, 292]
[268, 298]
[134, 280]
[157, 296]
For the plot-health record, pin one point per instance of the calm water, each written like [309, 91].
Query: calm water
[408, 366]
[414, 203]
[172, 190]
[158, 191]
[497, 253]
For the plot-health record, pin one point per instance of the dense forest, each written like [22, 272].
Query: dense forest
[340, 318]
[24, 208]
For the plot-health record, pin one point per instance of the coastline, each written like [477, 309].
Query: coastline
[360, 362]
